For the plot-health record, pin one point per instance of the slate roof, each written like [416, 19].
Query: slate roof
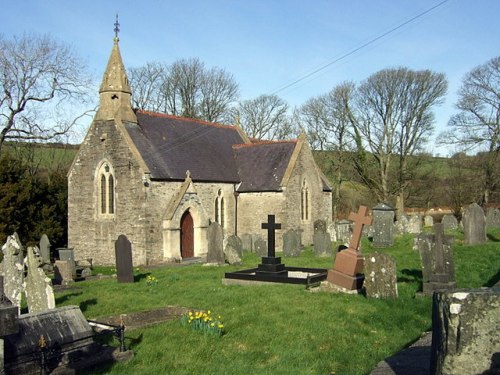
[172, 145]
[262, 165]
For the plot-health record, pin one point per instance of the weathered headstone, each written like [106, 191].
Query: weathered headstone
[380, 276]
[12, 269]
[215, 251]
[436, 255]
[343, 229]
[67, 254]
[449, 222]
[322, 244]
[332, 229]
[348, 265]
[465, 327]
[260, 246]
[493, 218]
[63, 272]
[428, 221]
[123, 256]
[383, 225]
[415, 224]
[233, 250]
[246, 241]
[474, 225]
[320, 225]
[291, 243]
[401, 226]
[38, 287]
[45, 249]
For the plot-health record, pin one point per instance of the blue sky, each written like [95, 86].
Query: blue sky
[269, 44]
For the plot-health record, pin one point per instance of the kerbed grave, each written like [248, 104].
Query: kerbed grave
[272, 270]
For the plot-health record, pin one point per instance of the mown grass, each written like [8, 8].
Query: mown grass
[274, 329]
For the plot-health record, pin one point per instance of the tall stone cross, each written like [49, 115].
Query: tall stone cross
[271, 226]
[360, 219]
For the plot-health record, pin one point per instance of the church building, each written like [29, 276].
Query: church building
[161, 180]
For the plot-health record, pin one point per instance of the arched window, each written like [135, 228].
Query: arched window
[106, 189]
[304, 201]
[219, 208]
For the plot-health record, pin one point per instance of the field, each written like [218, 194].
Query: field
[274, 329]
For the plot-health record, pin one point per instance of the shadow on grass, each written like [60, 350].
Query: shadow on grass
[85, 304]
[493, 238]
[133, 342]
[493, 280]
[410, 276]
[60, 300]
[141, 276]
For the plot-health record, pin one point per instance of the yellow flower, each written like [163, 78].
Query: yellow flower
[208, 312]
[212, 325]
[190, 313]
[221, 326]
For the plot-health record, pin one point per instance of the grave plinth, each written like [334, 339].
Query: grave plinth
[348, 266]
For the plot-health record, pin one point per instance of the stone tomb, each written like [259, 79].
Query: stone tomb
[271, 269]
[348, 265]
[465, 327]
[123, 256]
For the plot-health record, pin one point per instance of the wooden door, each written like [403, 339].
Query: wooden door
[187, 236]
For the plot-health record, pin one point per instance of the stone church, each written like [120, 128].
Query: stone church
[161, 180]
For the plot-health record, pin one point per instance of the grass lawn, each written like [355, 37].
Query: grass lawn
[275, 329]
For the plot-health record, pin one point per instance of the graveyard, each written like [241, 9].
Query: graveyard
[276, 328]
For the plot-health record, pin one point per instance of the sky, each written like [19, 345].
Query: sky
[296, 49]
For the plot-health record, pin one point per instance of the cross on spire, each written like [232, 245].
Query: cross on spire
[360, 219]
[117, 27]
[271, 226]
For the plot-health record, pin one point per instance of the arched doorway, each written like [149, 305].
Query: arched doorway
[187, 236]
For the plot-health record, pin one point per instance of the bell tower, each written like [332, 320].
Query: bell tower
[115, 93]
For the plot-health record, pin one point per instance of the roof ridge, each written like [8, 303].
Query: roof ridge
[261, 143]
[201, 122]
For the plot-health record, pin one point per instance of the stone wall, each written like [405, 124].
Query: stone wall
[90, 234]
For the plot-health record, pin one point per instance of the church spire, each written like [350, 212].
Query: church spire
[115, 93]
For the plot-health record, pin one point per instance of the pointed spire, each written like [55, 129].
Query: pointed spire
[115, 93]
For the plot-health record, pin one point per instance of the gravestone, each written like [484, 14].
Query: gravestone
[291, 243]
[45, 249]
[465, 327]
[493, 218]
[383, 225]
[8, 321]
[348, 265]
[259, 246]
[38, 287]
[436, 255]
[474, 225]
[271, 265]
[215, 252]
[401, 226]
[246, 242]
[67, 254]
[332, 229]
[380, 276]
[415, 224]
[449, 222]
[343, 229]
[428, 221]
[63, 272]
[12, 269]
[322, 241]
[233, 250]
[123, 256]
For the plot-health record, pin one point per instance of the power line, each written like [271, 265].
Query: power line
[323, 67]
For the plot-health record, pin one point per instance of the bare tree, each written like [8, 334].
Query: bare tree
[477, 125]
[218, 90]
[147, 82]
[265, 117]
[37, 72]
[327, 119]
[392, 120]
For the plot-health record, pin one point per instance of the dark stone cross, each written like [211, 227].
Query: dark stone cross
[271, 226]
[360, 219]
